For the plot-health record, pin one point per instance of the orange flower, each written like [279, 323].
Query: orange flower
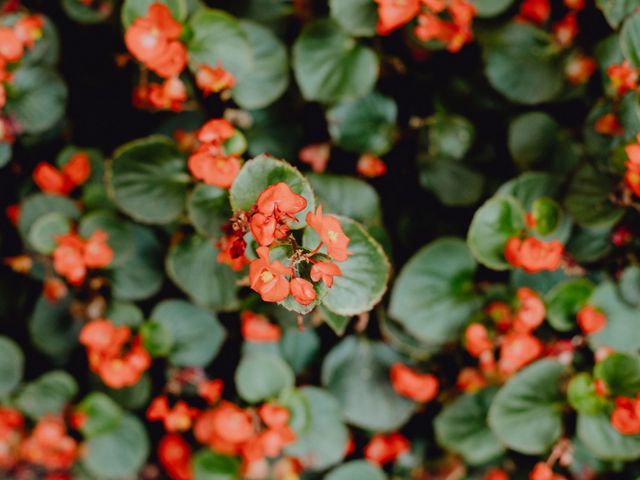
[624, 77]
[171, 62]
[54, 289]
[533, 255]
[392, 14]
[632, 179]
[11, 436]
[500, 313]
[420, 387]
[256, 328]
[211, 390]
[278, 199]
[61, 182]
[535, 11]
[608, 124]
[175, 456]
[625, 417]
[518, 350]
[302, 290]
[331, 234]
[10, 45]
[317, 155]
[591, 320]
[232, 252]
[495, 474]
[325, 271]
[477, 339]
[214, 168]
[97, 252]
[273, 415]
[214, 80]
[470, 380]
[267, 278]
[383, 449]
[579, 69]
[225, 428]
[531, 311]
[49, 445]
[103, 337]
[371, 166]
[216, 131]
[566, 29]
[176, 419]
[576, 5]
[170, 95]
[29, 29]
[542, 471]
[68, 259]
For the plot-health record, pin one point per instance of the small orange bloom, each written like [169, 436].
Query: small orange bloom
[174, 454]
[591, 320]
[216, 131]
[470, 380]
[325, 271]
[214, 168]
[371, 166]
[273, 415]
[518, 350]
[624, 77]
[256, 328]
[392, 14]
[29, 29]
[542, 471]
[579, 69]
[54, 289]
[49, 445]
[211, 390]
[97, 252]
[225, 428]
[268, 278]
[68, 259]
[495, 474]
[626, 415]
[535, 11]
[279, 199]
[61, 182]
[10, 45]
[317, 155]
[533, 255]
[566, 29]
[531, 311]
[477, 339]
[331, 234]
[420, 387]
[302, 290]
[176, 419]
[214, 80]
[383, 449]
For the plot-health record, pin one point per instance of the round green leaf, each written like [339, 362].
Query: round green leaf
[630, 285]
[132, 9]
[523, 64]
[616, 11]
[590, 244]
[196, 333]
[38, 205]
[125, 313]
[260, 376]
[364, 125]
[218, 39]
[11, 367]
[101, 414]
[490, 8]
[462, 428]
[433, 296]
[269, 75]
[45, 230]
[47, 395]
[208, 208]
[299, 347]
[321, 444]
[149, 180]
[603, 441]
[564, 301]
[257, 174]
[209, 465]
[500, 218]
[120, 452]
[621, 373]
[134, 397]
[193, 266]
[454, 183]
[526, 414]
[449, 136]
[358, 17]
[82, 13]
[356, 470]
[356, 371]
[532, 138]
[582, 395]
[157, 339]
[330, 65]
[52, 328]
[630, 39]
[621, 332]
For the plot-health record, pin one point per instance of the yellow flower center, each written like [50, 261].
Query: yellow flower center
[266, 276]
[333, 236]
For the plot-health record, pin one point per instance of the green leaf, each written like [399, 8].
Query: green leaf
[11, 367]
[52, 328]
[78, 11]
[196, 333]
[193, 266]
[462, 428]
[118, 453]
[500, 218]
[356, 470]
[348, 196]
[260, 376]
[590, 244]
[621, 373]
[588, 198]
[274, 131]
[218, 39]
[134, 397]
[547, 215]
[582, 395]
[209, 210]
[120, 234]
[523, 64]
[615, 11]
[621, 332]
[209, 465]
[257, 174]
[157, 339]
[526, 414]
[299, 347]
[433, 296]
[450, 136]
[38, 205]
[269, 75]
[132, 9]
[491, 8]
[358, 17]
[321, 444]
[630, 39]
[365, 272]
[330, 66]
[142, 275]
[356, 371]
[38, 99]
[364, 125]
[5, 153]
[45, 230]
[149, 180]
[101, 414]
[125, 313]
[630, 285]
[47, 395]
[603, 441]
[565, 300]
[532, 138]
[454, 183]
[337, 323]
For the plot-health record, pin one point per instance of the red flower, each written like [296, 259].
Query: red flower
[470, 380]
[331, 234]
[214, 80]
[61, 182]
[566, 29]
[97, 252]
[49, 445]
[216, 131]
[213, 168]
[576, 5]
[175, 456]
[518, 350]
[302, 290]
[535, 11]
[54, 289]
[11, 48]
[420, 387]
[316, 155]
[211, 390]
[495, 474]
[624, 77]
[176, 419]
[383, 449]
[281, 200]
[268, 278]
[371, 166]
[531, 311]
[608, 124]
[29, 29]
[325, 271]
[232, 252]
[256, 328]
[533, 255]
[477, 339]
[591, 320]
[273, 415]
[632, 179]
[626, 415]
[225, 428]
[392, 14]
[68, 259]
[579, 69]
[500, 313]
[170, 95]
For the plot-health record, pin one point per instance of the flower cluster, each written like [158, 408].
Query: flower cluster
[625, 417]
[117, 357]
[383, 449]
[64, 180]
[210, 162]
[447, 21]
[74, 255]
[533, 255]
